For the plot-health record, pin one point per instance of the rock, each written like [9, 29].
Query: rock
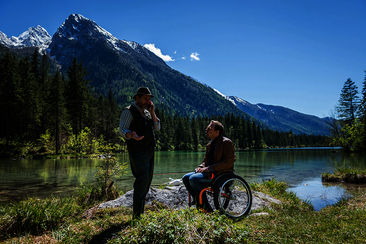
[261, 200]
[259, 214]
[176, 197]
[176, 182]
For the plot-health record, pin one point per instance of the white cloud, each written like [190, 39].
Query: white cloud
[175, 52]
[157, 52]
[184, 58]
[194, 56]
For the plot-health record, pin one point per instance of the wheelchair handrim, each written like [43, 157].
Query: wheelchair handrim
[227, 199]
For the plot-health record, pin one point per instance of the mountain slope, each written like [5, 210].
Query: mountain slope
[123, 66]
[33, 37]
[284, 119]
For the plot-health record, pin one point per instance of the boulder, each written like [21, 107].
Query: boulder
[176, 197]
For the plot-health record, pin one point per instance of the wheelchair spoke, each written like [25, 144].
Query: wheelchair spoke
[234, 198]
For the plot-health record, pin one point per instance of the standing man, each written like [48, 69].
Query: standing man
[137, 124]
[219, 158]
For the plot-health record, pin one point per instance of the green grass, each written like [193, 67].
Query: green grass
[35, 216]
[182, 226]
[348, 175]
[293, 221]
[335, 224]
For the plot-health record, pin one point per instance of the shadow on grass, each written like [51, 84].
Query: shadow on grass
[107, 234]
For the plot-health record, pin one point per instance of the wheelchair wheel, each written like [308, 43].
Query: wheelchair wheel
[233, 197]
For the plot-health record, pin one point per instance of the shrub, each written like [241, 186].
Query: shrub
[271, 186]
[182, 226]
[46, 142]
[35, 216]
[103, 188]
[279, 190]
[349, 175]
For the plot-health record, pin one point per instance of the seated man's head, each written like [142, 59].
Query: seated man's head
[214, 129]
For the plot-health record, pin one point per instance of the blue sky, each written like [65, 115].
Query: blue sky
[293, 53]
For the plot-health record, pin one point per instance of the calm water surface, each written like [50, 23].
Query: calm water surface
[301, 169]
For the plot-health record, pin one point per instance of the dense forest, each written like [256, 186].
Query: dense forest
[349, 131]
[47, 112]
[185, 133]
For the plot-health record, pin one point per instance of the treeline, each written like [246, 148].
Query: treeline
[52, 112]
[349, 131]
[185, 133]
[45, 111]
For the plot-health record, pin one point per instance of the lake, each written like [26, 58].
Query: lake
[300, 168]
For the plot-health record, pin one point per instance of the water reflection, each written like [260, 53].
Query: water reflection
[301, 169]
[319, 195]
[25, 178]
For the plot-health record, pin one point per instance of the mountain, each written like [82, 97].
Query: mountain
[123, 66]
[284, 119]
[33, 37]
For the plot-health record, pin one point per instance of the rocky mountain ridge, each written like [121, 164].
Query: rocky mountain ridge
[122, 66]
[33, 37]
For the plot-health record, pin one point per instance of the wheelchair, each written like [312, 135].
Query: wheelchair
[229, 193]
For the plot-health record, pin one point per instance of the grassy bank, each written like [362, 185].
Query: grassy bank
[292, 221]
[347, 175]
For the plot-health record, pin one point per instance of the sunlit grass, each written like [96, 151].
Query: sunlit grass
[348, 175]
[293, 221]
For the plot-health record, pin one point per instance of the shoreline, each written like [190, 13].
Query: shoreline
[98, 155]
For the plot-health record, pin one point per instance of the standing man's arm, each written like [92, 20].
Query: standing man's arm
[124, 123]
[154, 117]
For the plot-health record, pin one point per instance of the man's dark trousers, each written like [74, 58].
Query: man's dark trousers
[142, 166]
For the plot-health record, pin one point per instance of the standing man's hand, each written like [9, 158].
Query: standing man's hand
[151, 109]
[133, 135]
[151, 106]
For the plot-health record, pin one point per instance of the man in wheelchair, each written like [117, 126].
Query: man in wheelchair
[219, 159]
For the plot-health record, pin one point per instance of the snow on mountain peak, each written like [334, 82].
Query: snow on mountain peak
[78, 17]
[33, 37]
[240, 100]
[218, 92]
[5, 40]
[132, 44]
[226, 97]
[76, 25]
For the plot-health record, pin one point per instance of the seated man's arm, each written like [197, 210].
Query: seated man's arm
[204, 161]
[227, 162]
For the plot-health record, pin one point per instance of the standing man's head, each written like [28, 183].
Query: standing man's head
[214, 129]
[143, 97]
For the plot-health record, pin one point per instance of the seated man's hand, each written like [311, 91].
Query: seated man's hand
[201, 170]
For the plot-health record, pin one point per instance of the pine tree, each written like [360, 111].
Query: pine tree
[362, 114]
[77, 95]
[44, 90]
[31, 97]
[35, 64]
[9, 97]
[362, 107]
[56, 108]
[179, 133]
[195, 133]
[112, 114]
[348, 102]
